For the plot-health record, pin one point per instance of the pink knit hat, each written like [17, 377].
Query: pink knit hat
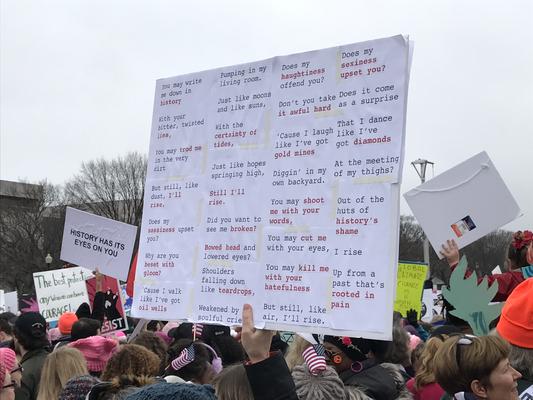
[168, 326]
[414, 341]
[54, 334]
[97, 350]
[167, 339]
[8, 359]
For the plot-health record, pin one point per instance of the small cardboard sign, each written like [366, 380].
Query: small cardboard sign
[11, 302]
[464, 203]
[60, 290]
[409, 286]
[98, 242]
[432, 304]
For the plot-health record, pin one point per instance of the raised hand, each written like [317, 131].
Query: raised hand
[450, 251]
[256, 342]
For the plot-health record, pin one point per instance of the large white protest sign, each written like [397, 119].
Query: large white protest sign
[60, 290]
[98, 242]
[276, 183]
[464, 203]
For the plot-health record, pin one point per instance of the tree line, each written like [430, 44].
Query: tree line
[32, 228]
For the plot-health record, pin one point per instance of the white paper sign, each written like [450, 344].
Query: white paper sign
[275, 183]
[2, 301]
[464, 203]
[11, 302]
[94, 241]
[431, 304]
[60, 290]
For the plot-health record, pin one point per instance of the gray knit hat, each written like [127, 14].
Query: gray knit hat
[78, 387]
[325, 386]
[174, 391]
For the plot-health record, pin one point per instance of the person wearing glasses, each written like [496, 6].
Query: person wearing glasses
[519, 255]
[8, 359]
[470, 368]
[7, 390]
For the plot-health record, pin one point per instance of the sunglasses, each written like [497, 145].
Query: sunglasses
[464, 340]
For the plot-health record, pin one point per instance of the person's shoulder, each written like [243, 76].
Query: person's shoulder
[525, 387]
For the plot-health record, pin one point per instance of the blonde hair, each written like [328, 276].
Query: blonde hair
[61, 365]
[294, 357]
[232, 384]
[425, 372]
[478, 359]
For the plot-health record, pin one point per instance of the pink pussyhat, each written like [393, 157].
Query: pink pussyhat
[97, 350]
[414, 341]
[8, 358]
[54, 334]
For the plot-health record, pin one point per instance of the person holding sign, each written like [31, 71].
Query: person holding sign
[507, 281]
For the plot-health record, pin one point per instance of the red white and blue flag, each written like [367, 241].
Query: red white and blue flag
[185, 358]
[315, 358]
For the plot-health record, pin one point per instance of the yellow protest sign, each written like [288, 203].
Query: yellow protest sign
[409, 287]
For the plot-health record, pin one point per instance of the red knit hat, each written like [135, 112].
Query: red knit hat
[516, 321]
[97, 350]
[66, 321]
[8, 359]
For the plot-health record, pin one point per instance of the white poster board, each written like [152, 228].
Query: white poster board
[11, 302]
[464, 203]
[276, 183]
[2, 301]
[60, 290]
[432, 304]
[98, 242]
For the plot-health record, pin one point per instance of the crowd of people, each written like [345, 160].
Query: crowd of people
[170, 360]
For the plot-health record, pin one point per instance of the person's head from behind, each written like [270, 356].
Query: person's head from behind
[424, 365]
[59, 367]
[6, 331]
[398, 351]
[478, 366]
[30, 332]
[192, 361]
[516, 327]
[65, 322]
[155, 344]
[232, 384]
[84, 328]
[131, 360]
[416, 354]
[177, 391]
[344, 353]
[517, 253]
[8, 359]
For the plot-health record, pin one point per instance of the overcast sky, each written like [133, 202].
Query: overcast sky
[77, 77]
